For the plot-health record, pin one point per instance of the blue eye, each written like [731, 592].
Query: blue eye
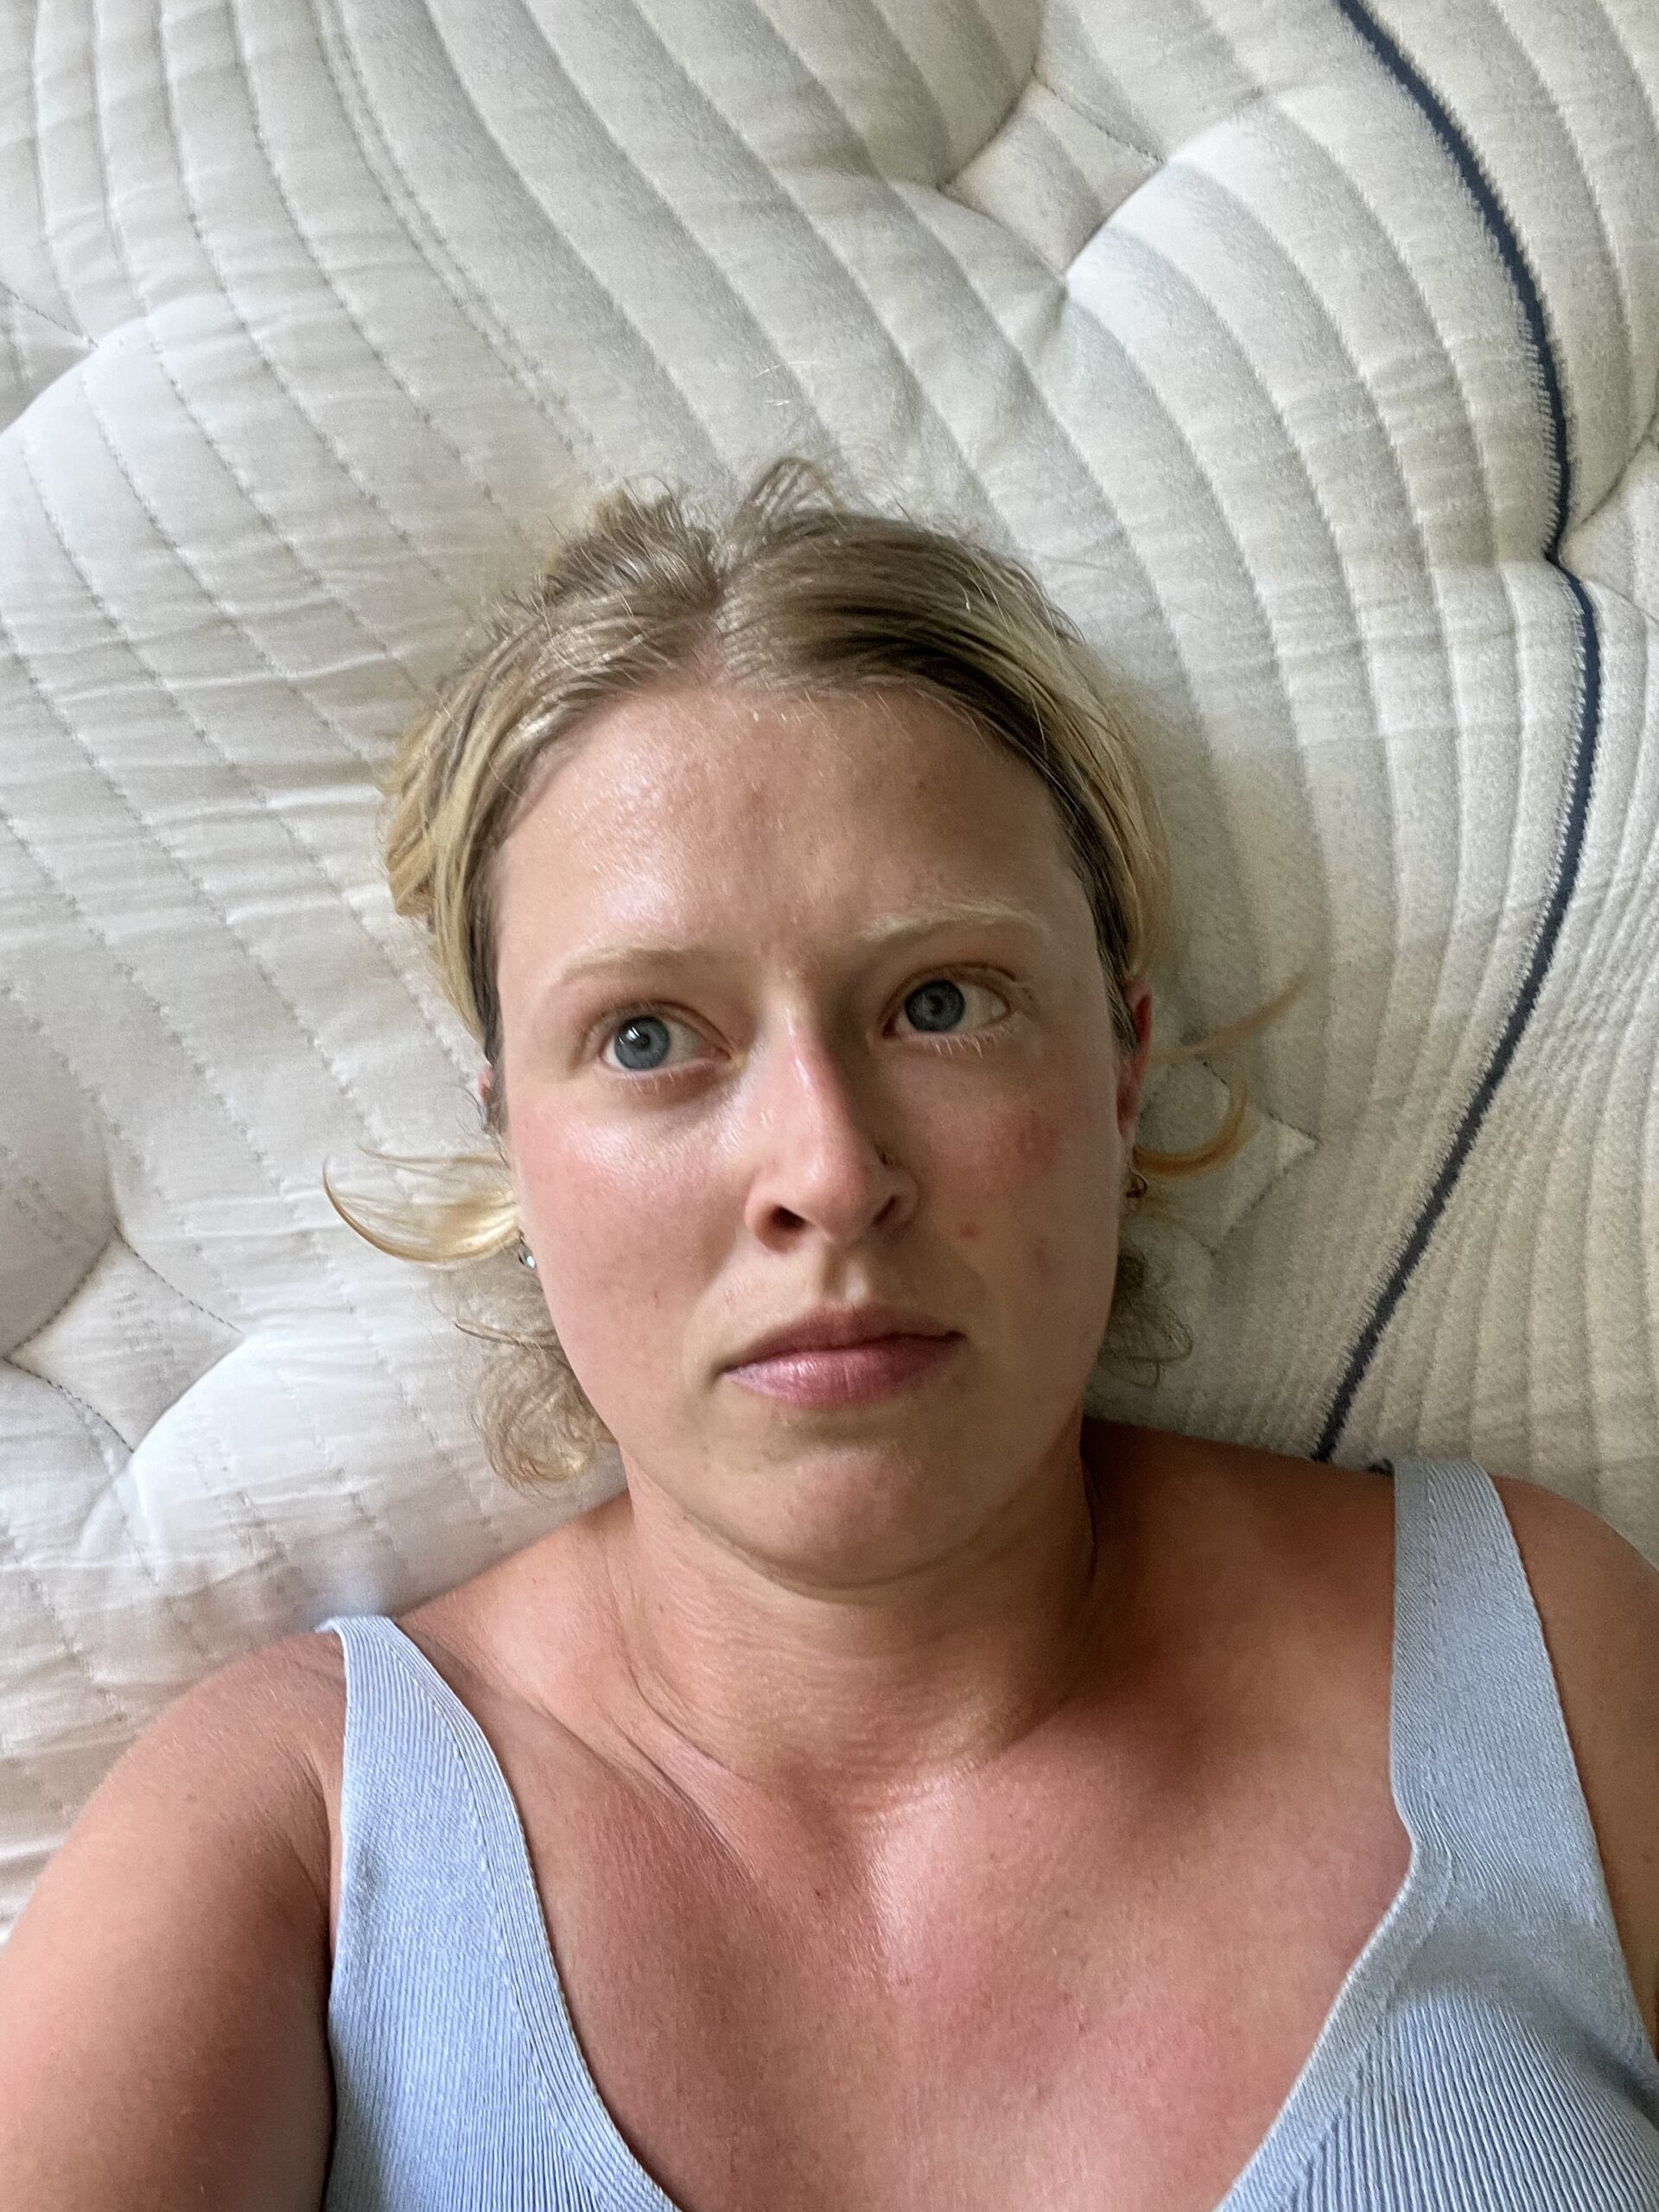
[942, 1002]
[937, 1005]
[642, 1036]
[637, 1042]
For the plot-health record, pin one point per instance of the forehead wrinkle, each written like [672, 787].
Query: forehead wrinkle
[885, 930]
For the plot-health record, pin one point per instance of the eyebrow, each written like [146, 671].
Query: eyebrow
[891, 929]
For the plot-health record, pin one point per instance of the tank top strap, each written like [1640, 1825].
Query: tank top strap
[430, 2049]
[1483, 1770]
[412, 1854]
[1480, 1743]
[400, 1768]
[457, 2074]
[425, 1810]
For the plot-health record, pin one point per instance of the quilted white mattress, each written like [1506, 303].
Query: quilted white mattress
[1308, 352]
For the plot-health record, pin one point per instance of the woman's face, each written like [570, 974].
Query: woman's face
[810, 1082]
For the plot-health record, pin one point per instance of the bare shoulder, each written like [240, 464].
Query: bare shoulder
[277, 1715]
[254, 1726]
[256, 1717]
[1598, 1601]
[172, 1958]
[1583, 1557]
[1597, 1597]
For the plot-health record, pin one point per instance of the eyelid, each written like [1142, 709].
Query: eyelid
[618, 1019]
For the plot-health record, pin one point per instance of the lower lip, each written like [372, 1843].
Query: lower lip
[853, 1376]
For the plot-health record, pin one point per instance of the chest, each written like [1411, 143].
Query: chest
[1069, 2035]
[1098, 1992]
[1072, 2003]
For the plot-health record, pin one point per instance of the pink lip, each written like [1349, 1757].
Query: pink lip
[852, 1375]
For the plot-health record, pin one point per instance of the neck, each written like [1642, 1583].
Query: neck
[845, 1702]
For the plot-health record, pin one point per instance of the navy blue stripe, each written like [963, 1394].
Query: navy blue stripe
[1497, 223]
[1502, 232]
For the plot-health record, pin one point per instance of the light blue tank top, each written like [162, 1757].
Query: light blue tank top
[1483, 2054]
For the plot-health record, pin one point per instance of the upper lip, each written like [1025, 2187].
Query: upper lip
[834, 1325]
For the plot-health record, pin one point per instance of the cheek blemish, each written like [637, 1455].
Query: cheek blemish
[1033, 1146]
[968, 1231]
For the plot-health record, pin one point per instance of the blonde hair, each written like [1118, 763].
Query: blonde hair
[796, 590]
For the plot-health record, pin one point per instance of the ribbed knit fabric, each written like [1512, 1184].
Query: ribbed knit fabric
[1483, 2054]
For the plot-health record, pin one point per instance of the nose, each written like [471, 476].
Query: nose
[815, 1159]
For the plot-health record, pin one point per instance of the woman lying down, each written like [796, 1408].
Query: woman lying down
[906, 1794]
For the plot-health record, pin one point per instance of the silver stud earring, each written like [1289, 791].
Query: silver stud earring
[524, 1256]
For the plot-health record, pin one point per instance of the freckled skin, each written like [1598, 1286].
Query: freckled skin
[672, 1223]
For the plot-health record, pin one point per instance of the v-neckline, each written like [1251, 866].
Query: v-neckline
[1311, 2105]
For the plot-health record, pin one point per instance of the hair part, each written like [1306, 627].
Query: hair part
[793, 590]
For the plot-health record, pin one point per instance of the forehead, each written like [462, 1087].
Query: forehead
[679, 807]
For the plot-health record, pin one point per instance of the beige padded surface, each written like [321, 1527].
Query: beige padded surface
[1247, 326]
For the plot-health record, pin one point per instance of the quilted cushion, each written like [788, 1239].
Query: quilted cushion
[1309, 355]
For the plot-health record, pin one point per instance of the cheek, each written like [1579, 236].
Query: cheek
[1016, 1151]
[1033, 1146]
[614, 1226]
[1042, 1193]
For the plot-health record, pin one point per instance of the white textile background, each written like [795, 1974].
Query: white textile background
[1308, 352]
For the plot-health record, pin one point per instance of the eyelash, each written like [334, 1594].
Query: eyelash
[973, 1042]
